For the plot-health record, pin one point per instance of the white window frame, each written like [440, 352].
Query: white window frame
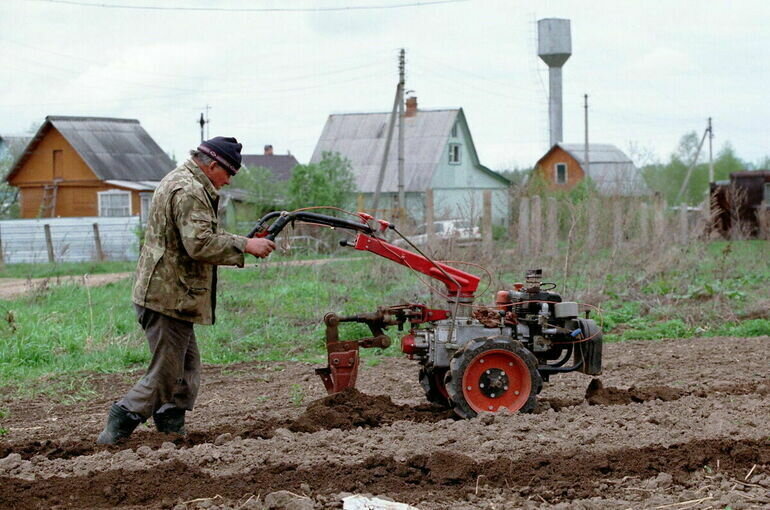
[556, 173]
[455, 154]
[112, 193]
[144, 211]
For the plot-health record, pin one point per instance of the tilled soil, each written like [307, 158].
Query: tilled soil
[669, 425]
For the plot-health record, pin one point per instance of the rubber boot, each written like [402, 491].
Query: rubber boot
[120, 424]
[170, 421]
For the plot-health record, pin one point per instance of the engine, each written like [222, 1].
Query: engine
[546, 326]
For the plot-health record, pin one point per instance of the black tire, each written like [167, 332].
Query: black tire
[432, 382]
[513, 373]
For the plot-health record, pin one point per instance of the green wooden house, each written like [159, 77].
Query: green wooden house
[439, 154]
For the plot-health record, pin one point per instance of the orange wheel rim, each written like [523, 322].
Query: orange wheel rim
[497, 379]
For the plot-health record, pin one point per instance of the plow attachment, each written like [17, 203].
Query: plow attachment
[342, 356]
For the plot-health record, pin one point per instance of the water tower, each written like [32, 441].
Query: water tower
[554, 46]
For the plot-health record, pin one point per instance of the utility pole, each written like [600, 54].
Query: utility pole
[692, 166]
[208, 121]
[384, 163]
[585, 156]
[711, 156]
[204, 122]
[401, 195]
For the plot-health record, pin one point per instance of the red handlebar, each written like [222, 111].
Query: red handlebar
[458, 282]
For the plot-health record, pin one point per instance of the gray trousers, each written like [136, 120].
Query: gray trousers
[173, 377]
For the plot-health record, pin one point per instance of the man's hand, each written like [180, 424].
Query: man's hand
[259, 247]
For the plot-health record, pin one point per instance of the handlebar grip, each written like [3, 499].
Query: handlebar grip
[277, 226]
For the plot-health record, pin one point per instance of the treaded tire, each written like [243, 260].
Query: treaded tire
[503, 355]
[432, 382]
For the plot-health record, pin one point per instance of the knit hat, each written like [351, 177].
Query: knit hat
[224, 150]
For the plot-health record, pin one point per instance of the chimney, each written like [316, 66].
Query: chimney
[411, 107]
[268, 150]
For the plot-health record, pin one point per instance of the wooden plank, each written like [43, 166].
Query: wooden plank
[49, 242]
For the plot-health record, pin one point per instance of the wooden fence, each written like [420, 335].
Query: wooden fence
[603, 222]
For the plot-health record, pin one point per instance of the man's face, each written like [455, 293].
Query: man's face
[218, 175]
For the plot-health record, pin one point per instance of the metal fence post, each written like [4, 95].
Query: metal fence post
[49, 242]
[523, 234]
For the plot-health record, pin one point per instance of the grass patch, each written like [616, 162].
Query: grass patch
[52, 339]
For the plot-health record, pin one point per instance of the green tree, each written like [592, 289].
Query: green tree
[330, 182]
[260, 183]
[264, 193]
[517, 176]
[667, 178]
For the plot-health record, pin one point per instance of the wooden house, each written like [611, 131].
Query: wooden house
[612, 172]
[439, 154]
[88, 166]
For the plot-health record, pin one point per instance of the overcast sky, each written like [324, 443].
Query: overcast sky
[653, 69]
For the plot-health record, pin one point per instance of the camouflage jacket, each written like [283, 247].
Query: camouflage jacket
[176, 273]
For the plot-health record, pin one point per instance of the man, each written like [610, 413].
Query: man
[175, 287]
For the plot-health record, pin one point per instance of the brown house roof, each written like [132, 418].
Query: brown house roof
[279, 164]
[112, 148]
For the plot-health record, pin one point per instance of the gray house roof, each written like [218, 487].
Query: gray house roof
[280, 165]
[361, 137]
[114, 149]
[613, 172]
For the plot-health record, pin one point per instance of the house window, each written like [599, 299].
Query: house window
[561, 173]
[144, 205]
[767, 193]
[454, 130]
[114, 203]
[454, 154]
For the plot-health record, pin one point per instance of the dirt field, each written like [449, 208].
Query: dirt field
[676, 425]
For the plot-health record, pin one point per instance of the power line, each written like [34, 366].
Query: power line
[253, 9]
[369, 56]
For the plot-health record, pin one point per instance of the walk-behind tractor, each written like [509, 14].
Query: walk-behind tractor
[473, 358]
